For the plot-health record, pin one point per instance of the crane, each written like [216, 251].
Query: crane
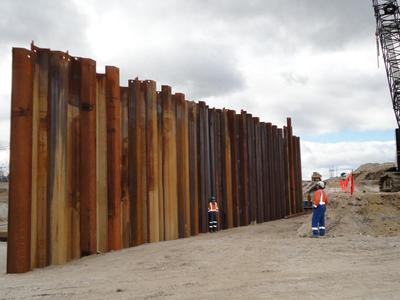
[387, 14]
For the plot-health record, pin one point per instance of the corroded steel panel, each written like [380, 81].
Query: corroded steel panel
[19, 212]
[169, 165]
[152, 160]
[114, 157]
[137, 162]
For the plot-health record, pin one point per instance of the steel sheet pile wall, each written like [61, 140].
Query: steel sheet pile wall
[98, 167]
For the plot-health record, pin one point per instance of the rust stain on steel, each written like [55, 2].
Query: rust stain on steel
[245, 220]
[268, 129]
[101, 162]
[259, 165]
[286, 170]
[125, 197]
[234, 143]
[39, 220]
[152, 160]
[226, 170]
[291, 167]
[265, 170]
[58, 204]
[193, 168]
[73, 160]
[169, 165]
[182, 148]
[201, 168]
[281, 173]
[88, 156]
[160, 167]
[252, 169]
[19, 212]
[114, 157]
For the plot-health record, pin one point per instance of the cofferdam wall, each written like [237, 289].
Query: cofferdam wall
[96, 167]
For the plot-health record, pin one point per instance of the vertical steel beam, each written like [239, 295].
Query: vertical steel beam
[19, 212]
[244, 166]
[265, 177]
[160, 167]
[286, 170]
[227, 169]
[204, 165]
[152, 160]
[73, 152]
[101, 164]
[269, 171]
[137, 162]
[169, 165]
[211, 139]
[275, 181]
[59, 211]
[114, 157]
[217, 165]
[193, 168]
[88, 156]
[182, 147]
[259, 171]
[39, 219]
[281, 174]
[291, 167]
[233, 127]
[125, 197]
[203, 226]
[252, 169]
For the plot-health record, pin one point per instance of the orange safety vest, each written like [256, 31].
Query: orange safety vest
[213, 206]
[320, 198]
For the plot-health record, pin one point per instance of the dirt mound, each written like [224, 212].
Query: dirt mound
[366, 212]
[371, 172]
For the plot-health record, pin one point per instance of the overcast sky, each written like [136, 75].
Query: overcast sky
[312, 60]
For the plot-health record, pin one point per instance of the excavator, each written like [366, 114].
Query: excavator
[387, 14]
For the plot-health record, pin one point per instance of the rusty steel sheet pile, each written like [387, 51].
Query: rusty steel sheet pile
[95, 166]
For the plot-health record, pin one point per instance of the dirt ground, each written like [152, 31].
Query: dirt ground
[358, 259]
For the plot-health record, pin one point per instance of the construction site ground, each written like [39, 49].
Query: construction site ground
[358, 259]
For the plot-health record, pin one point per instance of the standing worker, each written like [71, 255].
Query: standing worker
[213, 214]
[319, 208]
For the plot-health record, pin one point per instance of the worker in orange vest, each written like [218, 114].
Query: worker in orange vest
[213, 214]
[319, 209]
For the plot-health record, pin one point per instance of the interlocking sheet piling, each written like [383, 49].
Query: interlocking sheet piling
[96, 166]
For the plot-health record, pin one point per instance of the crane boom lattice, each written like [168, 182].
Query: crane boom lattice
[387, 15]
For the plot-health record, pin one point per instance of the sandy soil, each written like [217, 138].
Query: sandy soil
[266, 261]
[358, 259]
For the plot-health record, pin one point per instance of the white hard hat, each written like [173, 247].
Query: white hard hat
[321, 184]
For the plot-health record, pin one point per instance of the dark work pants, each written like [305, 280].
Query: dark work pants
[318, 220]
[212, 217]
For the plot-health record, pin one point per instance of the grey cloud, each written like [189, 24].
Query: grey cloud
[198, 69]
[55, 24]
[325, 25]
[293, 78]
[5, 108]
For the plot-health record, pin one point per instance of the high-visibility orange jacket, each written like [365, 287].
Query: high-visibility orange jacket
[320, 198]
[213, 206]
